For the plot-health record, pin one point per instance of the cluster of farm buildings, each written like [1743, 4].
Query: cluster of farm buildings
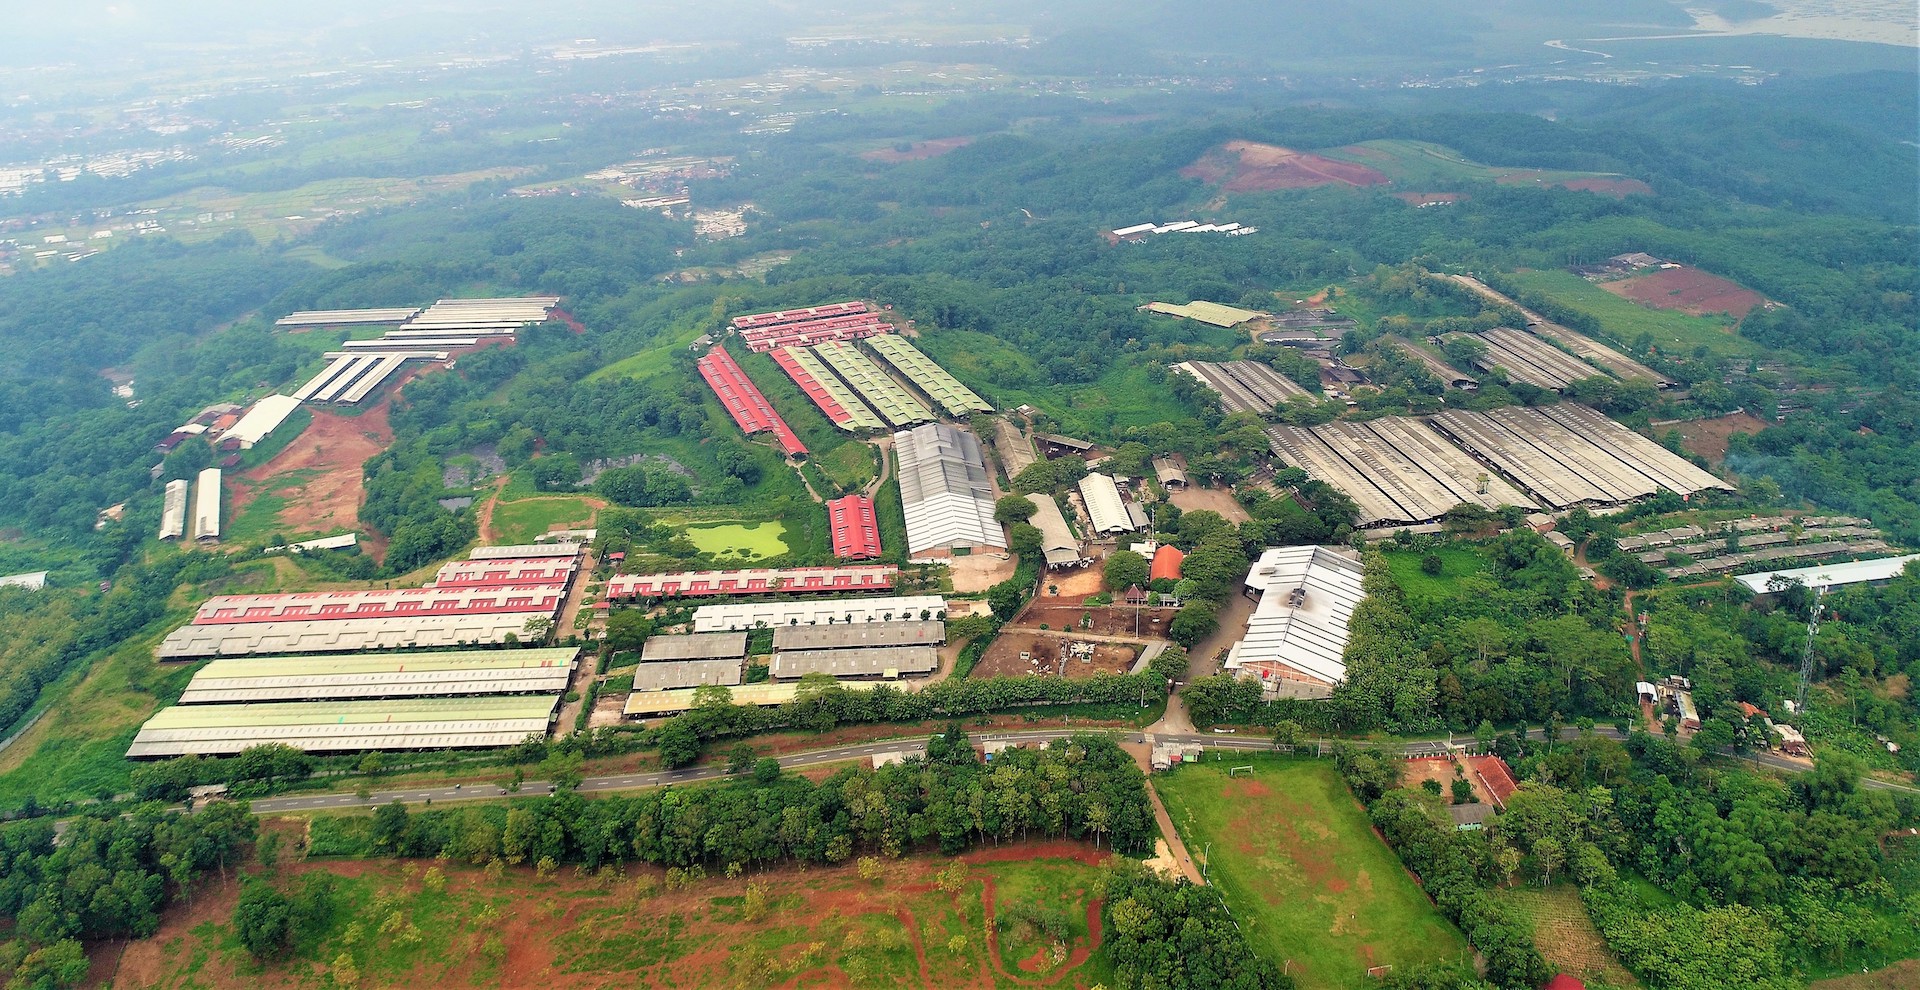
[437, 667]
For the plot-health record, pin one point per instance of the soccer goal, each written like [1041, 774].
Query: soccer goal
[1232, 771]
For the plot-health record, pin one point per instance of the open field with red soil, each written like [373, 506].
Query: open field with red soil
[817, 927]
[1245, 166]
[1045, 650]
[1098, 620]
[1903, 975]
[1708, 437]
[917, 151]
[1195, 497]
[1688, 290]
[319, 475]
[1310, 881]
[1440, 769]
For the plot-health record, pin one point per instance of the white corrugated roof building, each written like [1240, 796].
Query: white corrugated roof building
[945, 490]
[260, 421]
[1297, 639]
[1104, 505]
[1831, 575]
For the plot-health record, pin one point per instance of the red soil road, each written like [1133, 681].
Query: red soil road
[919, 150]
[1245, 166]
[1688, 290]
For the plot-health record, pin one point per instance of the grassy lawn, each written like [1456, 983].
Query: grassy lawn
[1456, 561]
[1625, 320]
[520, 522]
[1567, 937]
[1298, 862]
[849, 465]
[78, 750]
[395, 926]
[654, 360]
[746, 541]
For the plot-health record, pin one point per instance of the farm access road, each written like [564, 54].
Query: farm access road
[486, 790]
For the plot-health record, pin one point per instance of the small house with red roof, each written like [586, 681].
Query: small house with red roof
[1166, 563]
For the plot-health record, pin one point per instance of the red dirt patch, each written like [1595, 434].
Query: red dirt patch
[918, 151]
[1708, 437]
[334, 448]
[1423, 199]
[1688, 290]
[1244, 166]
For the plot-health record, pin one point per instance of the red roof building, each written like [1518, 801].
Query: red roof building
[510, 573]
[1166, 563]
[744, 402]
[766, 581]
[396, 604]
[855, 528]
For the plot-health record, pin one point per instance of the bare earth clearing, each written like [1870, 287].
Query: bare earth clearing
[1244, 166]
[1708, 437]
[919, 151]
[1688, 290]
[327, 481]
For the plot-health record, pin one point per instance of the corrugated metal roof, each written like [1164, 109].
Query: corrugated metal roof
[1102, 498]
[870, 662]
[528, 550]
[676, 674]
[345, 726]
[1056, 538]
[945, 490]
[1307, 596]
[747, 615]
[342, 636]
[760, 581]
[647, 704]
[1832, 575]
[698, 646]
[859, 634]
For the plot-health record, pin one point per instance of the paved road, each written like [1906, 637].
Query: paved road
[481, 791]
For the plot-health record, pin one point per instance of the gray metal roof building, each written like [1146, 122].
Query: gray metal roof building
[173, 511]
[698, 646]
[382, 675]
[879, 661]
[344, 317]
[1396, 470]
[859, 634]
[676, 674]
[1531, 360]
[192, 642]
[1567, 454]
[945, 490]
[1056, 538]
[345, 726]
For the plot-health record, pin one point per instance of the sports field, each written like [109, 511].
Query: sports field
[1301, 868]
[1018, 916]
[740, 541]
[525, 521]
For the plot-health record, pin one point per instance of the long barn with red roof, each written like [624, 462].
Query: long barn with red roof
[761, 581]
[744, 401]
[855, 528]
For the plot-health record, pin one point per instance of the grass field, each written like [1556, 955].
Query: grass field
[652, 361]
[1626, 320]
[1301, 868]
[394, 926]
[849, 465]
[1456, 562]
[1567, 938]
[1419, 163]
[521, 522]
[743, 541]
